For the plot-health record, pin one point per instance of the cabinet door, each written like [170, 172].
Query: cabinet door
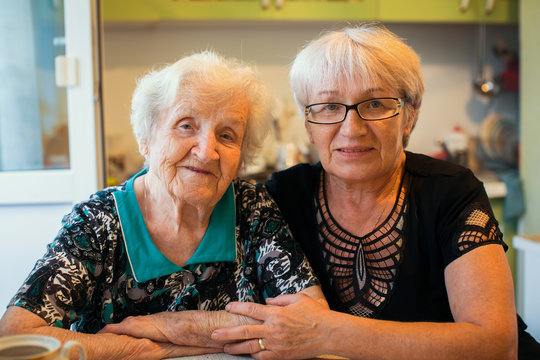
[498, 11]
[449, 11]
[120, 11]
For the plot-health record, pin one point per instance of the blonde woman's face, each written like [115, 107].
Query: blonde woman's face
[356, 150]
[195, 149]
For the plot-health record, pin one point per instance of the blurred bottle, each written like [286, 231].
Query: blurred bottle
[456, 145]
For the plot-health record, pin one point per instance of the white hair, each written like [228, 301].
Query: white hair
[368, 55]
[222, 78]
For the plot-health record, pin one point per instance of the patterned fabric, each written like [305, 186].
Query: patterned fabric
[397, 271]
[84, 280]
[363, 270]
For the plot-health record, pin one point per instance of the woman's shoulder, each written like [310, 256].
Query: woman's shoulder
[99, 208]
[294, 182]
[438, 179]
[251, 195]
[426, 169]
[298, 173]
[423, 165]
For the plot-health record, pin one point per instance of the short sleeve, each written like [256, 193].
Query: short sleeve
[476, 227]
[59, 285]
[467, 218]
[282, 267]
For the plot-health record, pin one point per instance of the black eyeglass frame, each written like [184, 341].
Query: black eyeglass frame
[400, 103]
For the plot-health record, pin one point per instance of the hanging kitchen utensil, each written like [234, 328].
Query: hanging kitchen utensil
[483, 85]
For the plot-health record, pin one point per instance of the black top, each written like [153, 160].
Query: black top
[439, 192]
[438, 195]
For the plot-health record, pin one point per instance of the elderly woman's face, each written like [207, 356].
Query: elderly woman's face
[195, 149]
[355, 149]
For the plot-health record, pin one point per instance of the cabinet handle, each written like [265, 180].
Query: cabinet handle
[464, 5]
[489, 6]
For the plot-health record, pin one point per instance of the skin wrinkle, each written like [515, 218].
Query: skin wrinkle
[478, 284]
[192, 157]
[194, 154]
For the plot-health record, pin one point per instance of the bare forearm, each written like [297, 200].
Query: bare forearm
[354, 338]
[186, 328]
[105, 346]
[97, 346]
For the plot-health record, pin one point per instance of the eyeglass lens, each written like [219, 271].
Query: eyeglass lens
[373, 109]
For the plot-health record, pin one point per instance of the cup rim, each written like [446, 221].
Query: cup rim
[52, 344]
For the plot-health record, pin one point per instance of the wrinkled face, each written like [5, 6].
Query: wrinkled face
[356, 150]
[195, 148]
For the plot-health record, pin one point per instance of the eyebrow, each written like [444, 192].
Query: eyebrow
[335, 92]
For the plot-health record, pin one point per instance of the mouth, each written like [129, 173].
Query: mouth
[354, 150]
[198, 170]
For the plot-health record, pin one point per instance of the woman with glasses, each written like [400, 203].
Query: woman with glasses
[408, 252]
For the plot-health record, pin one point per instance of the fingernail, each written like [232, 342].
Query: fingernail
[228, 307]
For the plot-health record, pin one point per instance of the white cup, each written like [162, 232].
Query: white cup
[37, 347]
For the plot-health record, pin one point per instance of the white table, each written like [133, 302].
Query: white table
[237, 357]
[527, 283]
[220, 356]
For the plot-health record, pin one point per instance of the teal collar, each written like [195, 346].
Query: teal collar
[145, 259]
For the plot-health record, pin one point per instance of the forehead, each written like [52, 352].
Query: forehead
[350, 89]
[209, 99]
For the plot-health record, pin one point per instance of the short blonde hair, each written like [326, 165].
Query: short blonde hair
[160, 89]
[368, 55]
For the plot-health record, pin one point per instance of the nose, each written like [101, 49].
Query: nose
[353, 125]
[205, 148]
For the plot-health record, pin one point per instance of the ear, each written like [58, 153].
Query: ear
[143, 148]
[308, 129]
[407, 128]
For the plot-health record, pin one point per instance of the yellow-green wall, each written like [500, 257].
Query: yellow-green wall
[530, 112]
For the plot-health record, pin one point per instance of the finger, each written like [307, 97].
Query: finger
[252, 310]
[244, 347]
[171, 350]
[284, 300]
[238, 333]
[112, 329]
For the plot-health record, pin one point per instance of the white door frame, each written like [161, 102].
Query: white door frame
[84, 122]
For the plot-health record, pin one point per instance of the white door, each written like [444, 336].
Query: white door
[50, 137]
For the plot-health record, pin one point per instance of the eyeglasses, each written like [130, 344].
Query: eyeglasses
[369, 110]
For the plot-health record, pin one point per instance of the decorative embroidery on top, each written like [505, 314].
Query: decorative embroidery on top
[476, 226]
[362, 269]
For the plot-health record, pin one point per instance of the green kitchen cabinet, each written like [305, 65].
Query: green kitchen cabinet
[449, 11]
[444, 11]
[504, 12]
[288, 10]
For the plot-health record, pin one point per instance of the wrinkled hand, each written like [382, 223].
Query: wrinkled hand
[145, 349]
[186, 328]
[293, 327]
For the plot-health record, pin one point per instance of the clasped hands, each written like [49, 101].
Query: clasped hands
[288, 326]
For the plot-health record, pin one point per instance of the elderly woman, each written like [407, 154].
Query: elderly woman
[181, 235]
[407, 249]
